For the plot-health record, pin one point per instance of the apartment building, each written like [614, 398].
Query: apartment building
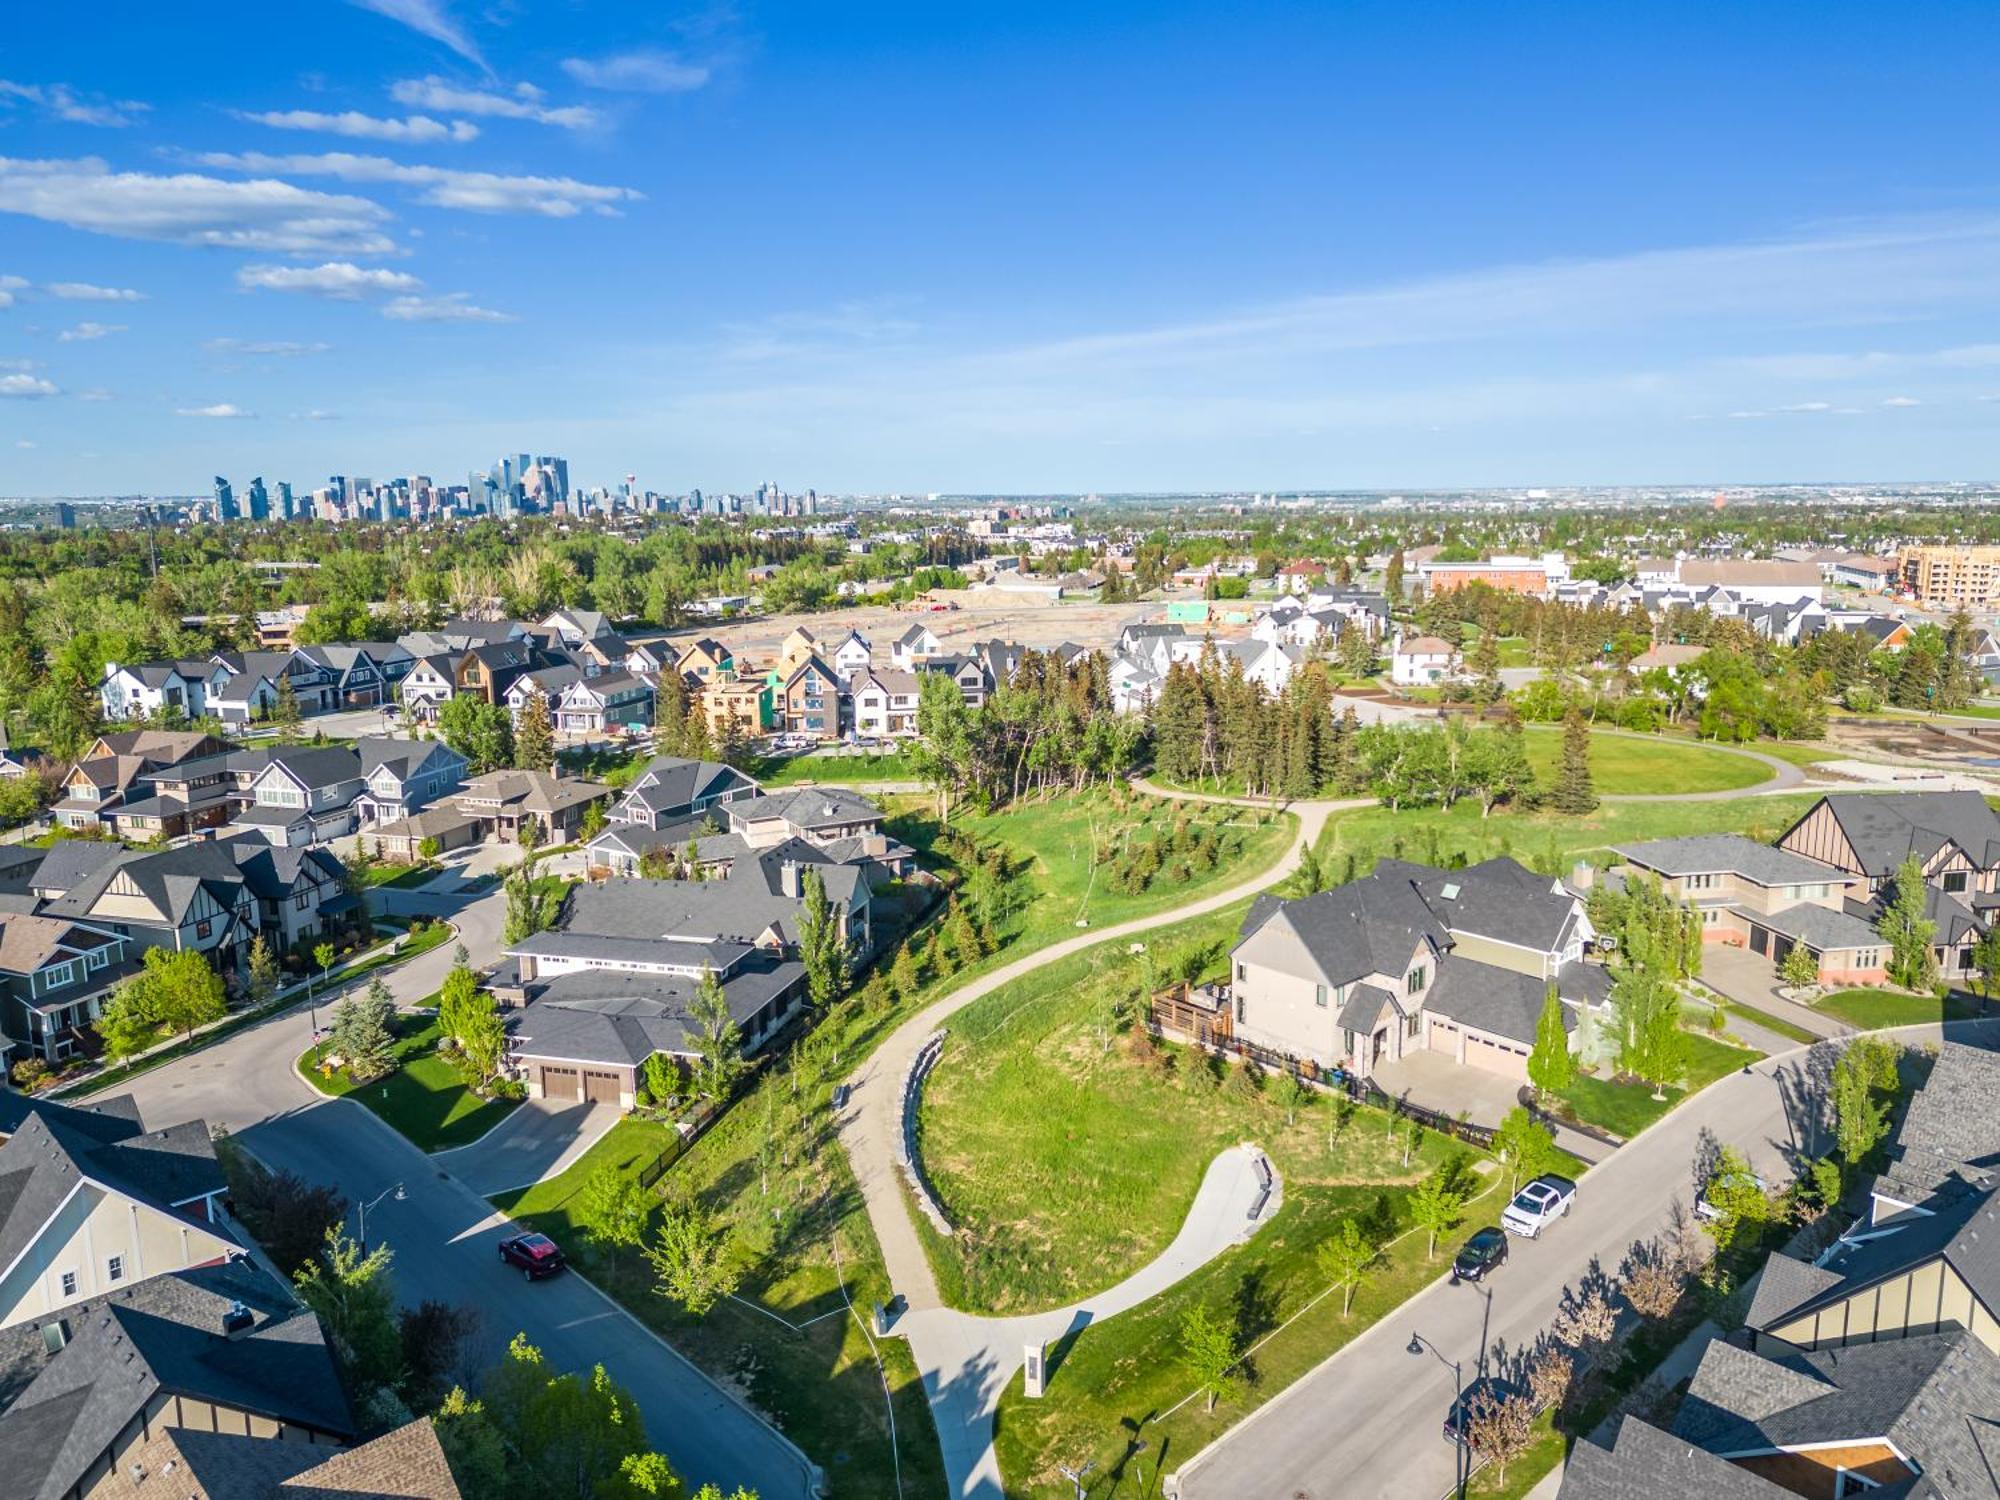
[1952, 577]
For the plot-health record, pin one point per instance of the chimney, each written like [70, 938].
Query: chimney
[788, 878]
[1583, 876]
[237, 1321]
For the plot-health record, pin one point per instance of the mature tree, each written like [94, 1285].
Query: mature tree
[1525, 1145]
[1356, 651]
[1209, 1354]
[351, 1293]
[182, 989]
[1574, 792]
[284, 1213]
[941, 752]
[571, 1433]
[1907, 930]
[718, 1043]
[534, 735]
[1551, 1066]
[822, 948]
[1436, 1206]
[432, 1335]
[263, 979]
[127, 1027]
[1345, 1258]
[473, 1446]
[1500, 1428]
[1586, 1323]
[363, 1033]
[664, 1078]
[613, 1209]
[481, 732]
[1863, 1074]
[1737, 1203]
[460, 1000]
[693, 1257]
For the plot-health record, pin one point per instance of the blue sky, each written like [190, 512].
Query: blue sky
[999, 247]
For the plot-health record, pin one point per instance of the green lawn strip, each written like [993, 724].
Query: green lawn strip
[1127, 1369]
[795, 770]
[378, 957]
[400, 877]
[1870, 1010]
[1547, 841]
[424, 1098]
[1626, 1108]
[1790, 1030]
[1647, 765]
[1544, 1455]
[1802, 755]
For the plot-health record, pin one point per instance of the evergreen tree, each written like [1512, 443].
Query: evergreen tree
[822, 949]
[534, 736]
[1551, 1066]
[1574, 792]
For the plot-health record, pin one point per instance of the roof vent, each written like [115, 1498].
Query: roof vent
[1450, 891]
[238, 1320]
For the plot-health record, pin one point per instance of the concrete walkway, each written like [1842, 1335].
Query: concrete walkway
[967, 1362]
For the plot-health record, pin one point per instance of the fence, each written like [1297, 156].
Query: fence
[677, 1148]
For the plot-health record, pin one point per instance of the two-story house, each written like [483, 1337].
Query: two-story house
[363, 675]
[852, 655]
[428, 686]
[700, 661]
[119, 765]
[739, 705]
[192, 898]
[672, 788]
[615, 700]
[300, 892]
[819, 825]
[247, 685]
[145, 689]
[502, 801]
[548, 683]
[402, 777]
[574, 628]
[810, 700]
[1409, 959]
[917, 644]
[55, 975]
[305, 794]
[884, 703]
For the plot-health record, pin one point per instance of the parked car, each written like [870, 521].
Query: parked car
[1538, 1204]
[1486, 1388]
[536, 1254]
[1482, 1253]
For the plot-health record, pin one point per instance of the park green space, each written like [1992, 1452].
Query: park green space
[1870, 1010]
[1647, 765]
[423, 1097]
[798, 770]
[819, 1382]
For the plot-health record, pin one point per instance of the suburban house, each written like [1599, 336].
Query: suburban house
[304, 794]
[120, 765]
[14, 762]
[810, 700]
[574, 628]
[146, 689]
[671, 788]
[1750, 895]
[701, 660]
[96, 1205]
[358, 676]
[916, 644]
[1407, 959]
[738, 707]
[820, 826]
[170, 801]
[609, 702]
[301, 893]
[885, 703]
[852, 655]
[427, 686]
[190, 898]
[549, 683]
[502, 800]
[55, 975]
[251, 682]
[1421, 661]
[446, 824]
[829, 817]
[403, 777]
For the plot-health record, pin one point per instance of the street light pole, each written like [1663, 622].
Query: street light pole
[1076, 1476]
[362, 1212]
[1462, 1450]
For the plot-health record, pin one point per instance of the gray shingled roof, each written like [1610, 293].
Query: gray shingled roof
[623, 1018]
[1821, 928]
[1364, 1005]
[1726, 853]
[1492, 999]
[1951, 1122]
[1368, 926]
[805, 808]
[1497, 898]
[1645, 1463]
[1886, 829]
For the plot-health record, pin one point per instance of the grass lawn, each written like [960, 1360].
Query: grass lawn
[1622, 765]
[1872, 1009]
[795, 770]
[424, 1098]
[1625, 1109]
[1545, 841]
[1806, 756]
[1122, 1379]
[1790, 1030]
[1544, 1455]
[399, 877]
[821, 1385]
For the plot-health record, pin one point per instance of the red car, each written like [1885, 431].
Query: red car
[536, 1254]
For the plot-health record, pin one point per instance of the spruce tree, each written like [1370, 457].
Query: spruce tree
[1551, 1066]
[1574, 793]
[535, 739]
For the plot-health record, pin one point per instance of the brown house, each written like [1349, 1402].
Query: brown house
[502, 800]
[810, 700]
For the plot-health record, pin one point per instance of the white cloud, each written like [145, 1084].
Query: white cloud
[27, 387]
[644, 72]
[319, 416]
[1902, 401]
[86, 332]
[190, 209]
[8, 286]
[442, 187]
[341, 280]
[449, 308]
[416, 130]
[221, 409]
[282, 348]
[83, 291]
[19, 364]
[61, 102]
[428, 18]
[524, 103]
[1808, 406]
[1747, 416]
[23, 443]
[94, 395]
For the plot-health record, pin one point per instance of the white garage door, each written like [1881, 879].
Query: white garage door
[1494, 1057]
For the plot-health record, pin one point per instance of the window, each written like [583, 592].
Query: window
[98, 958]
[1239, 1006]
[1707, 882]
[55, 976]
[69, 1283]
[1319, 996]
[202, 929]
[1410, 1025]
[114, 1268]
[1414, 981]
[1954, 881]
[301, 899]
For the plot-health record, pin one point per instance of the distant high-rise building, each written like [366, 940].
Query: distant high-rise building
[259, 500]
[225, 500]
[65, 515]
[285, 502]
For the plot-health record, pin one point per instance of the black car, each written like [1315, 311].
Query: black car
[1482, 1253]
[1488, 1388]
[536, 1254]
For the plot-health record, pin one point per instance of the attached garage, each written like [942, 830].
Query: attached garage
[1507, 1059]
[603, 1086]
[561, 1083]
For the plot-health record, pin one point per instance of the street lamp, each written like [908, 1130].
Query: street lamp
[1462, 1450]
[1076, 1476]
[362, 1212]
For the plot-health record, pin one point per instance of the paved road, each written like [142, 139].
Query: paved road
[444, 1233]
[540, 1139]
[1387, 1443]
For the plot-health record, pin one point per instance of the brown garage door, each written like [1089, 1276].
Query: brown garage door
[1490, 1057]
[600, 1087]
[561, 1083]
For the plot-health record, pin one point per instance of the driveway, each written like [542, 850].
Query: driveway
[1750, 979]
[538, 1140]
[1434, 1081]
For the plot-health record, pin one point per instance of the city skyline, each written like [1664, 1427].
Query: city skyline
[906, 252]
